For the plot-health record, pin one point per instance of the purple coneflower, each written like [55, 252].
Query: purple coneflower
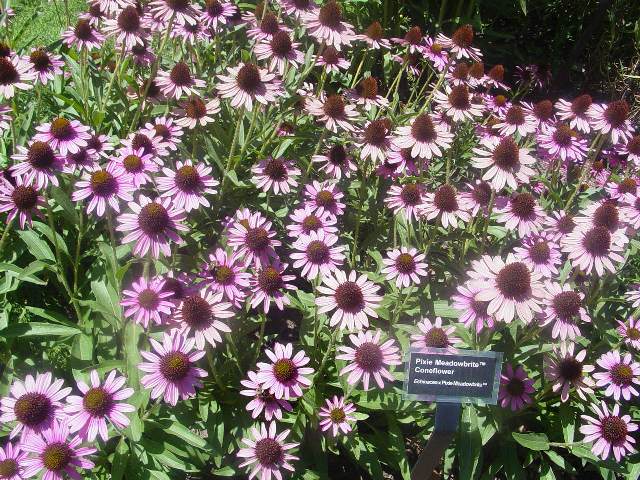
[12, 462]
[473, 311]
[187, 185]
[307, 220]
[625, 189]
[374, 37]
[353, 299]
[152, 225]
[407, 199]
[326, 25]
[520, 211]
[262, 400]
[39, 164]
[336, 416]
[105, 186]
[136, 164]
[609, 432]
[195, 111]
[403, 161]
[265, 27]
[630, 332]
[286, 375]
[275, 174]
[424, 137]
[336, 162]
[444, 203]
[564, 307]
[595, 247]
[460, 43]
[368, 358]
[266, 453]
[332, 60]
[83, 36]
[541, 252]
[269, 284]
[317, 254]
[45, 65]
[406, 265]
[21, 201]
[413, 40]
[100, 144]
[457, 103]
[508, 163]
[631, 148]
[55, 453]
[146, 301]
[515, 120]
[180, 11]
[374, 140]
[281, 51]
[619, 376]
[542, 112]
[149, 140]
[5, 117]
[216, 14]
[435, 52]
[84, 159]
[499, 105]
[171, 371]
[167, 130]
[199, 313]
[33, 404]
[577, 112]
[63, 135]
[566, 370]
[254, 240]
[225, 273]
[366, 94]
[127, 26]
[434, 335]
[477, 198]
[143, 55]
[561, 141]
[15, 74]
[612, 119]
[515, 388]
[510, 287]
[88, 414]
[495, 77]
[560, 223]
[324, 197]
[247, 83]
[192, 33]
[333, 111]
[178, 81]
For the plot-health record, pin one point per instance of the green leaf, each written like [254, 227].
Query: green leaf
[51, 315]
[34, 329]
[185, 434]
[107, 298]
[567, 419]
[523, 6]
[37, 246]
[470, 443]
[120, 459]
[532, 441]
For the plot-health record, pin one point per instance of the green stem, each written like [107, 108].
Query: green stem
[596, 145]
[323, 135]
[232, 150]
[116, 74]
[358, 216]
[486, 224]
[356, 75]
[325, 357]
[5, 234]
[76, 262]
[247, 137]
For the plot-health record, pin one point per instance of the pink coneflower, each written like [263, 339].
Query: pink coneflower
[180, 285]
[612, 118]
[317, 254]
[564, 307]
[406, 265]
[458, 74]
[577, 112]
[281, 51]
[55, 453]
[333, 111]
[100, 144]
[515, 388]
[15, 74]
[520, 211]
[45, 65]
[187, 185]
[286, 375]
[88, 414]
[510, 287]
[402, 160]
[495, 78]
[609, 432]
[265, 27]
[98, 11]
[262, 400]
[353, 299]
[336, 162]
[474, 312]
[275, 174]
[178, 81]
[307, 220]
[225, 273]
[595, 247]
[625, 189]
[167, 130]
[324, 197]
[566, 370]
[412, 40]
[508, 163]
[84, 159]
[195, 111]
[425, 137]
[541, 252]
[560, 224]
[563, 142]
[150, 141]
[436, 53]
[254, 240]
[477, 198]
[413, 62]
[630, 332]
[152, 225]
[33, 404]
[374, 37]
[266, 453]
[247, 83]
[457, 103]
[374, 140]
[499, 105]
[633, 295]
[171, 371]
[369, 358]
[39, 164]
[199, 315]
[366, 94]
[143, 55]
[146, 301]
[128, 27]
[269, 284]
[5, 117]
[336, 416]
[66, 136]
[180, 11]
[192, 33]
[515, 120]
[21, 200]
[326, 25]
[110, 7]
[631, 148]
[216, 14]
[136, 164]
[12, 462]
[460, 43]
[603, 213]
[619, 376]
[434, 335]
[83, 36]
[407, 199]
[105, 186]
[444, 203]
[332, 60]
[542, 112]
